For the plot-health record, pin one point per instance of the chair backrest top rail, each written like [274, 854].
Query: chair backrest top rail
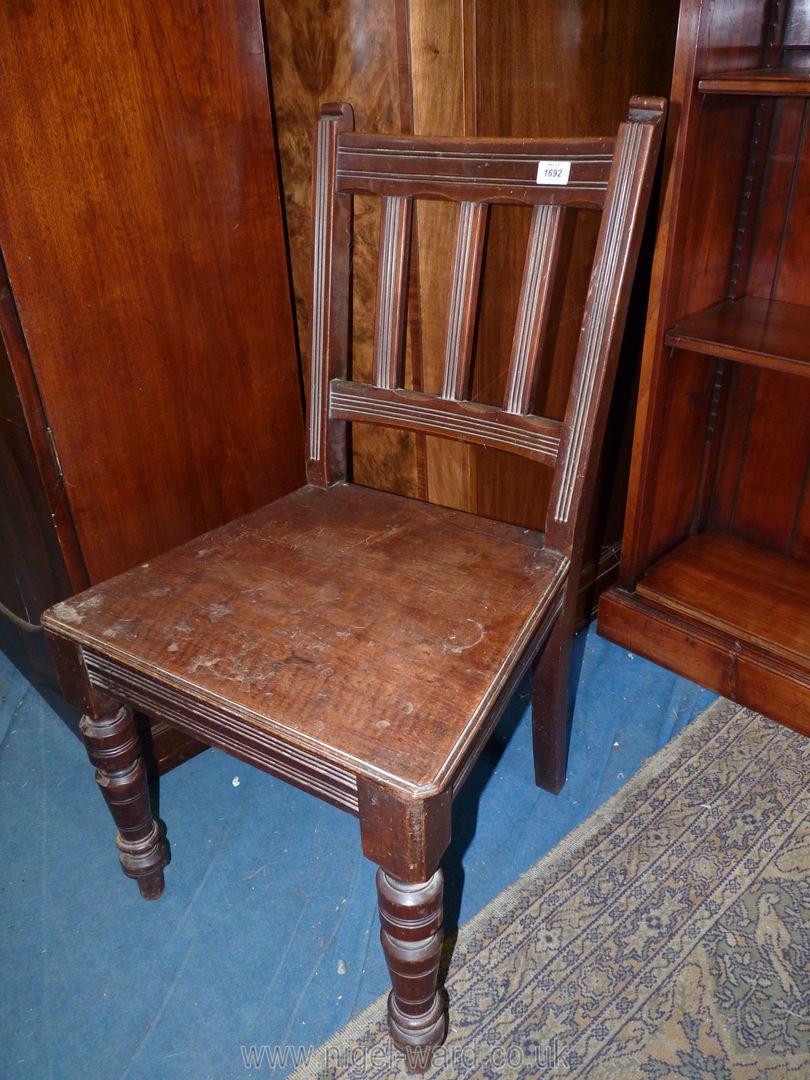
[479, 147]
[508, 170]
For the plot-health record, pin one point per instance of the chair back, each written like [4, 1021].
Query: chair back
[611, 176]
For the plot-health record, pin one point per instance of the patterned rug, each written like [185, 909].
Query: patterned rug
[668, 936]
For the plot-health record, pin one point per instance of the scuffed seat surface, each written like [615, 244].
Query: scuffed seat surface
[373, 629]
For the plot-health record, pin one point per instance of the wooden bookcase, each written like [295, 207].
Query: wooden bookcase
[715, 572]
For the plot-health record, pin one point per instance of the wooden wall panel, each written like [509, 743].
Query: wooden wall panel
[747, 500]
[141, 228]
[355, 52]
[765, 511]
[440, 92]
[546, 75]
[793, 283]
[738, 408]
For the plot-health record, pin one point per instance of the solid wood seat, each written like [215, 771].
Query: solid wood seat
[360, 645]
[369, 630]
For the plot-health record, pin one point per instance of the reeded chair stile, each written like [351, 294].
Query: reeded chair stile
[358, 644]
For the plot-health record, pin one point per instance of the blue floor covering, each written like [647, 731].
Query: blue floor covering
[267, 931]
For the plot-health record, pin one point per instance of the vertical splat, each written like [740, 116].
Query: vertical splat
[533, 308]
[395, 232]
[472, 221]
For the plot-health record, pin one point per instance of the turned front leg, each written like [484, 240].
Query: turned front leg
[113, 746]
[411, 918]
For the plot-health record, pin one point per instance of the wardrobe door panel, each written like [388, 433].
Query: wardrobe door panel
[141, 226]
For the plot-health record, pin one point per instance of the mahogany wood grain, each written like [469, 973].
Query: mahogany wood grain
[741, 392]
[411, 933]
[735, 586]
[712, 657]
[714, 568]
[750, 330]
[790, 279]
[389, 326]
[770, 275]
[785, 82]
[441, 76]
[533, 437]
[800, 538]
[346, 51]
[773, 469]
[132, 246]
[268, 618]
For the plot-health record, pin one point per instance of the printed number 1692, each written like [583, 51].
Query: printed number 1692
[553, 172]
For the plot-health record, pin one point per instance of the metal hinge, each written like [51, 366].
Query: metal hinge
[54, 452]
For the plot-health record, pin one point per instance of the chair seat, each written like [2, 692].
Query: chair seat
[371, 630]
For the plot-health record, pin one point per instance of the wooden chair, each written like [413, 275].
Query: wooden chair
[358, 644]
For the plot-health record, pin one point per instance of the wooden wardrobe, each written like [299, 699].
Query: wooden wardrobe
[148, 377]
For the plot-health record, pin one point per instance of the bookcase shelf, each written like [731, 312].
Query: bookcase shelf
[758, 597]
[760, 82]
[734, 614]
[750, 330]
[714, 581]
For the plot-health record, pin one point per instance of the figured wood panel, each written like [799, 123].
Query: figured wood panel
[441, 88]
[774, 465]
[738, 408]
[792, 283]
[141, 227]
[762, 475]
[354, 52]
[557, 59]
[778, 258]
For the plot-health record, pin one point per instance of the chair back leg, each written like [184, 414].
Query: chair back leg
[550, 721]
